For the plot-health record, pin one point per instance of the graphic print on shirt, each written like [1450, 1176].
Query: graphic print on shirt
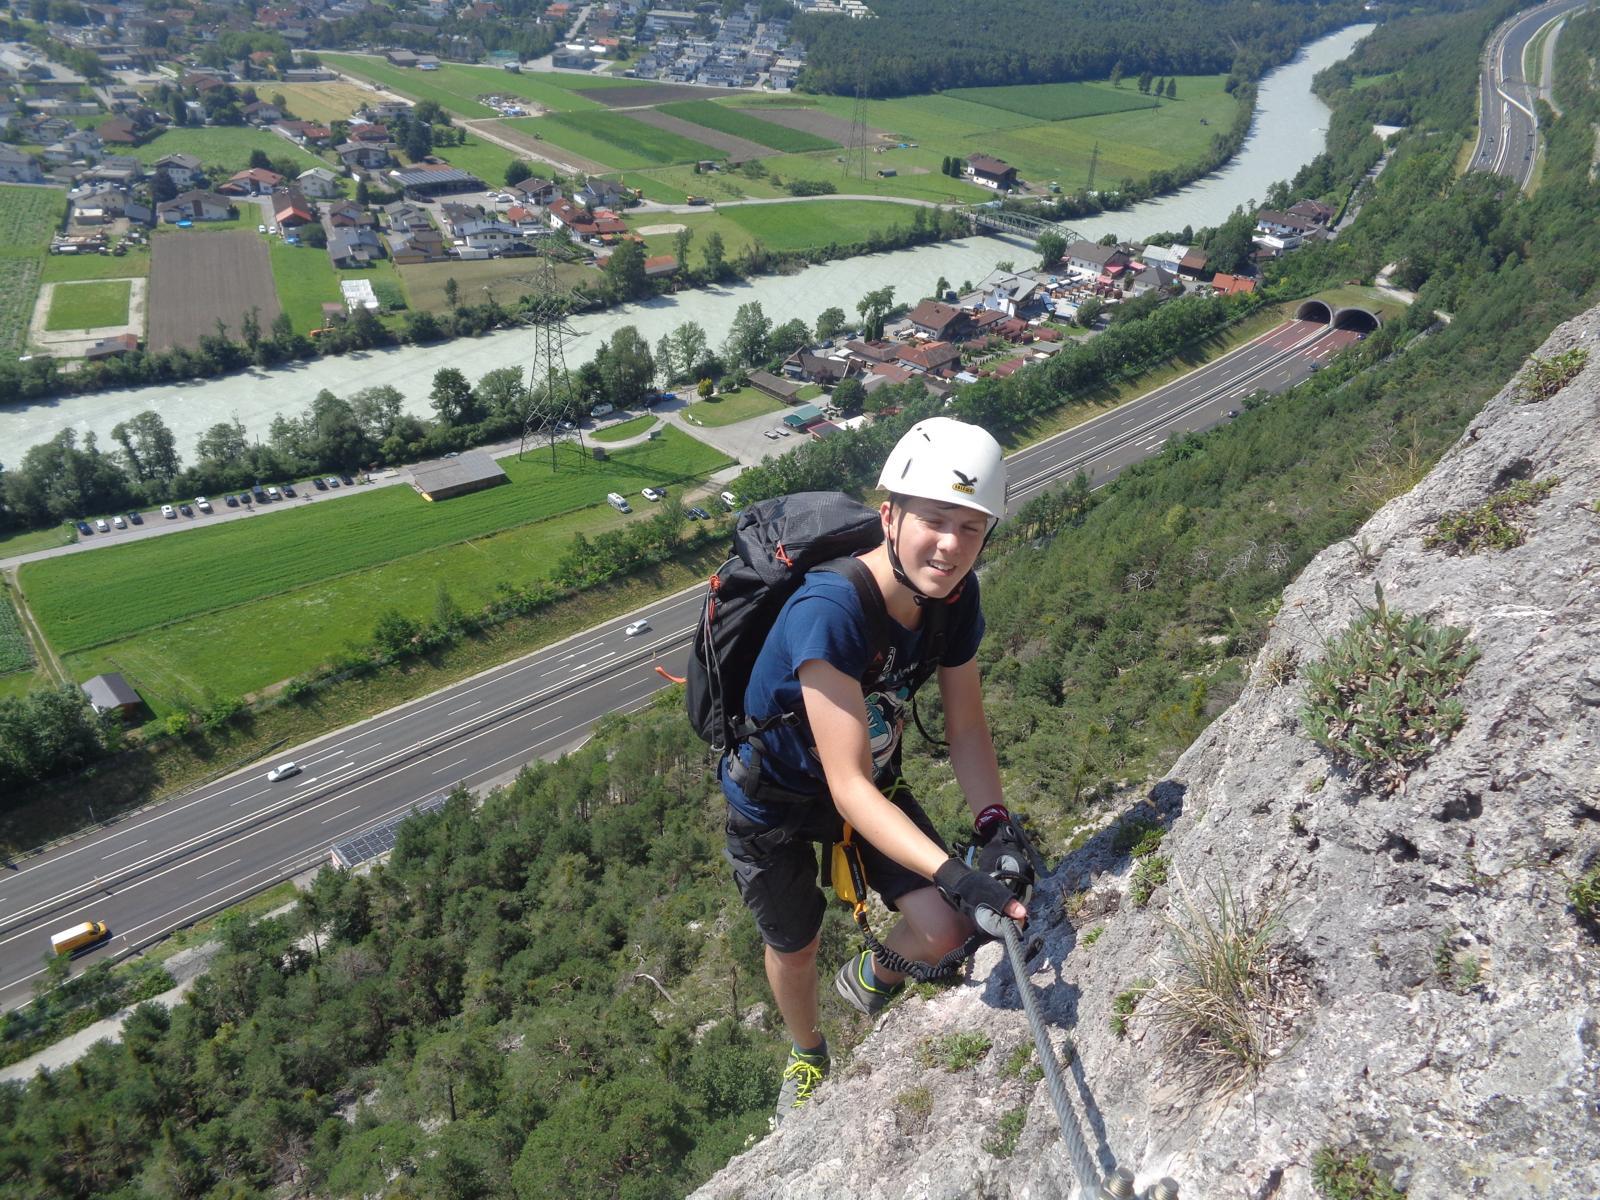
[886, 705]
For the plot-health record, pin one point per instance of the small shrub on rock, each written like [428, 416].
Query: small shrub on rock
[1150, 874]
[955, 1051]
[1003, 1141]
[1343, 1176]
[1547, 376]
[1493, 524]
[1380, 700]
[1584, 896]
[1126, 1003]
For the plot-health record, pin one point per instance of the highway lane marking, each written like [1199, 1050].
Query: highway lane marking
[345, 813]
[647, 679]
[223, 867]
[251, 796]
[125, 849]
[463, 708]
[447, 766]
[542, 724]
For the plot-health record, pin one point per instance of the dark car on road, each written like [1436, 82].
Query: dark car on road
[345, 479]
[321, 483]
[232, 500]
[83, 527]
[136, 518]
[186, 510]
[260, 493]
[288, 489]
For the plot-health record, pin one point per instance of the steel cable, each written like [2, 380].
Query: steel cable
[1077, 1148]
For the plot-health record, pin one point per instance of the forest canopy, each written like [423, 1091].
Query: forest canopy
[916, 46]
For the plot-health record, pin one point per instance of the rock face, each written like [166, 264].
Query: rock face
[1440, 996]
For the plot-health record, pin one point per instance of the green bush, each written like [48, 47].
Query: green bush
[1150, 874]
[1380, 699]
[954, 1051]
[1547, 376]
[1492, 524]
[1124, 1005]
[1341, 1176]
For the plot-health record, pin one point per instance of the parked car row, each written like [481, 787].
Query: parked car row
[256, 495]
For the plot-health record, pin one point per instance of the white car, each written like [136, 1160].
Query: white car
[202, 504]
[169, 512]
[637, 628]
[652, 493]
[100, 524]
[261, 228]
[283, 772]
[770, 434]
[119, 522]
[783, 430]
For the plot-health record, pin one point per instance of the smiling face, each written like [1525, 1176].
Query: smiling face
[937, 542]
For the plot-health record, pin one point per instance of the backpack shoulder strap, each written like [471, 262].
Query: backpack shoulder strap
[872, 605]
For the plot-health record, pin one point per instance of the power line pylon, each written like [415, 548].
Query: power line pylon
[552, 400]
[855, 148]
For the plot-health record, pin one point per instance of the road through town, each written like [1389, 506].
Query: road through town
[165, 866]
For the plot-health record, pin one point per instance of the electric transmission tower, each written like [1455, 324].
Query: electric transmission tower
[552, 400]
[855, 148]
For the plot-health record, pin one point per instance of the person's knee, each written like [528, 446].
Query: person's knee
[940, 927]
[803, 958]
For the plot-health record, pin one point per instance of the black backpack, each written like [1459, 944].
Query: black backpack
[775, 543]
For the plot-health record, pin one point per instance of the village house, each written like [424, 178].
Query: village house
[351, 248]
[1193, 264]
[603, 193]
[493, 236]
[319, 183]
[528, 221]
[992, 172]
[939, 321]
[100, 205]
[118, 131]
[347, 214]
[1314, 211]
[119, 170]
[17, 167]
[403, 216]
[112, 347]
[290, 209]
[1280, 231]
[417, 246]
[255, 181]
[1232, 285]
[262, 112]
[931, 358]
[457, 218]
[196, 206]
[366, 131]
[534, 191]
[185, 170]
[1004, 292]
[660, 266]
[366, 155]
[304, 133]
[1151, 278]
[1091, 258]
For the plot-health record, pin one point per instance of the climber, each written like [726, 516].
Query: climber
[799, 780]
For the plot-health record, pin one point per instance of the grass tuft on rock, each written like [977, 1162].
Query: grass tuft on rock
[1492, 525]
[1545, 377]
[1381, 699]
[1339, 1175]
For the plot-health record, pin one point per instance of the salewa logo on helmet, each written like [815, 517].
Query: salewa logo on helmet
[965, 484]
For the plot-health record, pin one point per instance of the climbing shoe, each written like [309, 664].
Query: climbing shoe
[800, 1079]
[860, 989]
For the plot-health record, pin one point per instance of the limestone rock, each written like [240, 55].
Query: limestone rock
[1448, 1017]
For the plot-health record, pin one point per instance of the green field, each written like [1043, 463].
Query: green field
[89, 305]
[741, 124]
[732, 407]
[803, 225]
[15, 653]
[224, 146]
[28, 216]
[484, 159]
[305, 280]
[507, 280]
[458, 87]
[623, 430]
[615, 139]
[64, 268]
[85, 600]
[1058, 101]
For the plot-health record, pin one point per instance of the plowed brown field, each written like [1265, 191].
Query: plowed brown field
[198, 278]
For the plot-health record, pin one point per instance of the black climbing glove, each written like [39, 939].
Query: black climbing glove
[1002, 851]
[980, 896]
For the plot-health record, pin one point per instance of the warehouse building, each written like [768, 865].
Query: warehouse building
[469, 472]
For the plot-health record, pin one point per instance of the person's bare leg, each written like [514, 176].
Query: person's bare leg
[793, 978]
[928, 930]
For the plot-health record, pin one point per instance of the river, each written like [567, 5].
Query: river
[1289, 130]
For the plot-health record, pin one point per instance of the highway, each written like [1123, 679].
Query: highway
[164, 867]
[1508, 130]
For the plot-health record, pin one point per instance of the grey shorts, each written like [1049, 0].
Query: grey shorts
[776, 871]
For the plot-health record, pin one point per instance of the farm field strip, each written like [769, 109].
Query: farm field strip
[28, 216]
[1057, 101]
[741, 124]
[67, 268]
[83, 600]
[15, 652]
[457, 87]
[323, 102]
[726, 144]
[91, 305]
[615, 138]
[196, 281]
[226, 146]
[798, 226]
[304, 280]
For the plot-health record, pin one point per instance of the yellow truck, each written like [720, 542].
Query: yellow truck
[79, 936]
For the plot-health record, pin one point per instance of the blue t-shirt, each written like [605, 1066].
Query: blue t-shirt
[823, 620]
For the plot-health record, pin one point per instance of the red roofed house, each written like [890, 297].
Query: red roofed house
[257, 181]
[931, 357]
[118, 131]
[1193, 264]
[660, 264]
[1232, 285]
[291, 209]
[939, 321]
[992, 172]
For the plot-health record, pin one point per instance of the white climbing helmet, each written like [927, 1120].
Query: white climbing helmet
[942, 459]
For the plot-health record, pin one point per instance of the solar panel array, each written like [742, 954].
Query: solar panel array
[370, 843]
